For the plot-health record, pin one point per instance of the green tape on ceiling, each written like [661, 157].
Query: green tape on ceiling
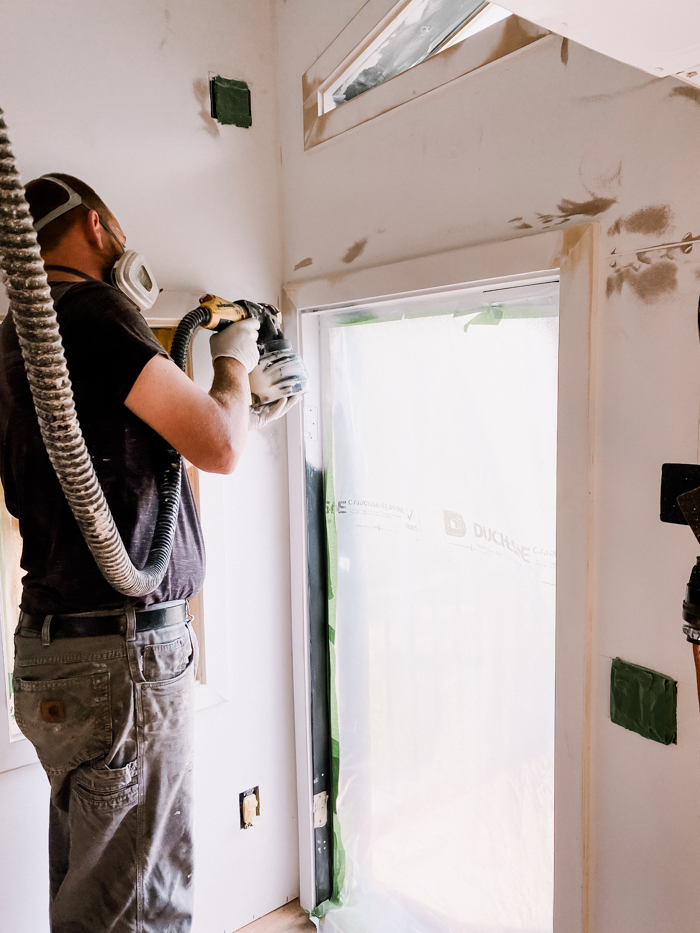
[230, 102]
[643, 701]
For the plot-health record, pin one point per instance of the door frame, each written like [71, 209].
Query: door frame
[574, 255]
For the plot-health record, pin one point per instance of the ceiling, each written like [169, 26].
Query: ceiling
[658, 36]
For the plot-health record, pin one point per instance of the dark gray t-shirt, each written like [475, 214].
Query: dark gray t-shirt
[107, 344]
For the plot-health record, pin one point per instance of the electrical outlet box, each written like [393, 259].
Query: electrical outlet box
[249, 806]
[230, 102]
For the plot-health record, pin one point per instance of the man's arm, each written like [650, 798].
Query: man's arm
[209, 430]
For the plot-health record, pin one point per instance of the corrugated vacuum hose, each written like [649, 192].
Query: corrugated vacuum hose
[45, 363]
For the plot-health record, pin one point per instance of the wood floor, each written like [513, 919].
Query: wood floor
[288, 919]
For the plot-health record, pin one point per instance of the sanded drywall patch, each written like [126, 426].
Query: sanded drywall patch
[689, 93]
[651, 271]
[568, 210]
[357, 249]
[652, 220]
[200, 88]
[564, 53]
[649, 282]
[517, 33]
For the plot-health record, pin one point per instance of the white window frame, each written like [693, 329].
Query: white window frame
[506, 37]
[574, 255]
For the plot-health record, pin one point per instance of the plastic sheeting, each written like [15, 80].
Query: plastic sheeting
[441, 476]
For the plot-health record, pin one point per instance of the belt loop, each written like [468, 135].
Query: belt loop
[188, 615]
[130, 624]
[46, 631]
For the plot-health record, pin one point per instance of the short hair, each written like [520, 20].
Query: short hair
[45, 196]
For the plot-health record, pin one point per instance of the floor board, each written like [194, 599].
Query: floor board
[288, 919]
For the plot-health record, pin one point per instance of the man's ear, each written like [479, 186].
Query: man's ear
[94, 230]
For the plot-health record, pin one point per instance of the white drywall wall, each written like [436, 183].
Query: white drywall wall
[557, 133]
[117, 94]
[660, 36]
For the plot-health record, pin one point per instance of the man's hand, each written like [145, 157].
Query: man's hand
[279, 374]
[239, 341]
[259, 417]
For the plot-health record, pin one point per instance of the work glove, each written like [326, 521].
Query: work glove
[278, 375]
[238, 341]
[281, 373]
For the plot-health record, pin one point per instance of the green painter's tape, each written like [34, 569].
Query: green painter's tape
[367, 318]
[643, 701]
[331, 547]
[494, 314]
[332, 551]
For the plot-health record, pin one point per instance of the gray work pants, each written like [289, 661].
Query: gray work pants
[111, 718]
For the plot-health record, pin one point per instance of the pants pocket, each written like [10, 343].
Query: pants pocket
[68, 721]
[107, 788]
[167, 660]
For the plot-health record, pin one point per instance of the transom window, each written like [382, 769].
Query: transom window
[421, 29]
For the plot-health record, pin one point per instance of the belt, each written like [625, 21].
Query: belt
[108, 623]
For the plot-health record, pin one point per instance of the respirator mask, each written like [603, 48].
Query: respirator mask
[130, 273]
[133, 276]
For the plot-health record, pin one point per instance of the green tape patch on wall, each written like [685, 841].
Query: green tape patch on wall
[643, 701]
[230, 102]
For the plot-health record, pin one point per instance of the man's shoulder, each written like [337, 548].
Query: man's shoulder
[106, 337]
[101, 309]
[93, 296]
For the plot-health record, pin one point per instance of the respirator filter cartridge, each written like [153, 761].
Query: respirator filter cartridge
[133, 276]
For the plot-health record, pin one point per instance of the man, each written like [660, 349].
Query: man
[104, 683]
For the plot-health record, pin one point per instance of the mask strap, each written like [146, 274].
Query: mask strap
[82, 275]
[74, 200]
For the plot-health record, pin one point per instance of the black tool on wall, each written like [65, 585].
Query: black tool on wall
[680, 503]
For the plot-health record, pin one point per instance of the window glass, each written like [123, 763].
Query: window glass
[486, 17]
[421, 29]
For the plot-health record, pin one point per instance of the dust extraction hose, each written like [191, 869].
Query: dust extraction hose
[45, 363]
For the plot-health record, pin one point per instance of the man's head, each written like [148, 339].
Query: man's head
[86, 237]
